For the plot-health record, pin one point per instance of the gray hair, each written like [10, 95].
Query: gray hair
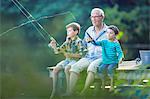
[99, 10]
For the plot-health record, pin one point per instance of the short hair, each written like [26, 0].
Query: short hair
[114, 28]
[75, 26]
[99, 10]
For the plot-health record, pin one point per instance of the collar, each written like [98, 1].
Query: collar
[74, 38]
[104, 26]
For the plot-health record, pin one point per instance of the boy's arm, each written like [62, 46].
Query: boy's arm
[72, 55]
[62, 48]
[97, 43]
[58, 49]
[53, 45]
[82, 49]
[120, 53]
[89, 39]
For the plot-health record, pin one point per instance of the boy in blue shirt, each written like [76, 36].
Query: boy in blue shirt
[112, 54]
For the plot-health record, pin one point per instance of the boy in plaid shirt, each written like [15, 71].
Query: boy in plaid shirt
[73, 49]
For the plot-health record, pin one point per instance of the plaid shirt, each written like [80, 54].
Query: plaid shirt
[74, 46]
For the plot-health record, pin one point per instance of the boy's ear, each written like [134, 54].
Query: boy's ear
[77, 32]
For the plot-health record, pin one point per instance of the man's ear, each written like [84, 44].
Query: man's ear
[103, 17]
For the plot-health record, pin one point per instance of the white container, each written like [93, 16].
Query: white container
[145, 56]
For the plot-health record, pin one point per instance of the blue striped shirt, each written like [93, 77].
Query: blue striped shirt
[111, 51]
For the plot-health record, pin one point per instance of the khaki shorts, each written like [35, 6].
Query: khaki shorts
[85, 63]
[80, 65]
[94, 65]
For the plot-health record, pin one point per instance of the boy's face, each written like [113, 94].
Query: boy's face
[110, 34]
[71, 33]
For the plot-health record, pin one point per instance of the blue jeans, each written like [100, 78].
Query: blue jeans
[107, 67]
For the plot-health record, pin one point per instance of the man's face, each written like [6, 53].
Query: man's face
[96, 18]
[71, 33]
[110, 34]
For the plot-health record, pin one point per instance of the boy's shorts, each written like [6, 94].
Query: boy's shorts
[109, 68]
[66, 63]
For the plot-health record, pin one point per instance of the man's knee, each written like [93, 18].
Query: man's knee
[74, 72]
[92, 69]
[75, 68]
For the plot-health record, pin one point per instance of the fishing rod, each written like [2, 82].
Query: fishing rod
[34, 22]
[91, 38]
[38, 19]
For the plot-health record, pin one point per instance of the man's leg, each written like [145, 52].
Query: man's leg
[92, 70]
[74, 72]
[73, 81]
[89, 80]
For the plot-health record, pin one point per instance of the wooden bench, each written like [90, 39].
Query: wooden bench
[133, 74]
[126, 71]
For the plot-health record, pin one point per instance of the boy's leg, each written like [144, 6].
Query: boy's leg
[56, 70]
[91, 71]
[67, 77]
[111, 84]
[75, 71]
[101, 71]
[55, 77]
[67, 73]
[111, 68]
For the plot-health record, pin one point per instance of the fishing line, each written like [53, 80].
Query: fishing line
[38, 19]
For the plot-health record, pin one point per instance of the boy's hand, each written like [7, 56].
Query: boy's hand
[67, 55]
[52, 44]
[120, 61]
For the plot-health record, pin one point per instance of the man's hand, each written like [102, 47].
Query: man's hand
[89, 40]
